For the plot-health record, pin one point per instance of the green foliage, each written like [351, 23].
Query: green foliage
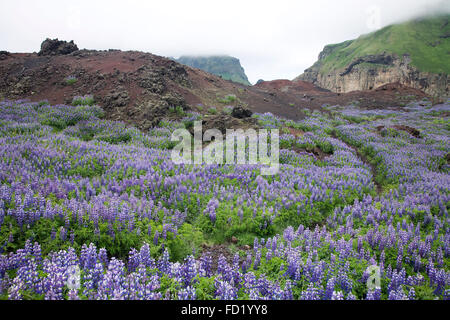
[325, 146]
[423, 39]
[228, 99]
[205, 288]
[212, 110]
[43, 103]
[164, 144]
[71, 80]
[424, 292]
[389, 132]
[178, 110]
[90, 110]
[188, 241]
[307, 112]
[114, 138]
[87, 100]
[61, 120]
[89, 170]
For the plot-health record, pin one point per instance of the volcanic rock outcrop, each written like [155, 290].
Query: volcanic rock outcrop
[57, 47]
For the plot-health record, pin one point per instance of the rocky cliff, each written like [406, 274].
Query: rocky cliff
[415, 54]
[228, 68]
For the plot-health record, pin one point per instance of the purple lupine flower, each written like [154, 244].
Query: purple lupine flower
[350, 296]
[205, 266]
[62, 233]
[337, 295]
[287, 292]
[156, 238]
[374, 294]
[330, 288]
[311, 293]
[412, 294]
[163, 263]
[187, 294]
[224, 290]
[189, 271]
[398, 294]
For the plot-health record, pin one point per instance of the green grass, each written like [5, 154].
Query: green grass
[422, 39]
[212, 110]
[87, 100]
[178, 110]
[71, 80]
[228, 99]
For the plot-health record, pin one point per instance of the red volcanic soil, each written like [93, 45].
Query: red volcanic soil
[111, 63]
[139, 87]
[301, 94]
[287, 85]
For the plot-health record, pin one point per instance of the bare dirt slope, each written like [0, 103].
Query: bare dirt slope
[139, 88]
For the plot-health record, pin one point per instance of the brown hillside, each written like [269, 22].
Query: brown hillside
[135, 87]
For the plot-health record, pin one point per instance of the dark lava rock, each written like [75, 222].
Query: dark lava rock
[220, 122]
[116, 98]
[175, 100]
[223, 122]
[152, 112]
[4, 55]
[241, 113]
[412, 131]
[56, 47]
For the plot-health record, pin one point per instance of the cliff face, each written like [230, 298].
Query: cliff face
[228, 68]
[415, 54]
[367, 76]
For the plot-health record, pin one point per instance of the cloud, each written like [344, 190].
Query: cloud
[273, 39]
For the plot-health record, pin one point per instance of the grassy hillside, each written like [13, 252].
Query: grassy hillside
[426, 40]
[229, 68]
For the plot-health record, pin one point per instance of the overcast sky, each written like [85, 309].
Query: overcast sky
[273, 39]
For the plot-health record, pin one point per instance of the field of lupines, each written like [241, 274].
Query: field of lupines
[94, 209]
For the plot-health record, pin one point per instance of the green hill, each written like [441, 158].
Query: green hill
[229, 68]
[425, 42]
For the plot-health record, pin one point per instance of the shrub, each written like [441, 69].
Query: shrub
[43, 103]
[87, 100]
[70, 80]
[116, 138]
[228, 110]
[230, 98]
[178, 110]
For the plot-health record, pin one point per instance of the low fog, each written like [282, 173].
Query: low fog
[273, 39]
